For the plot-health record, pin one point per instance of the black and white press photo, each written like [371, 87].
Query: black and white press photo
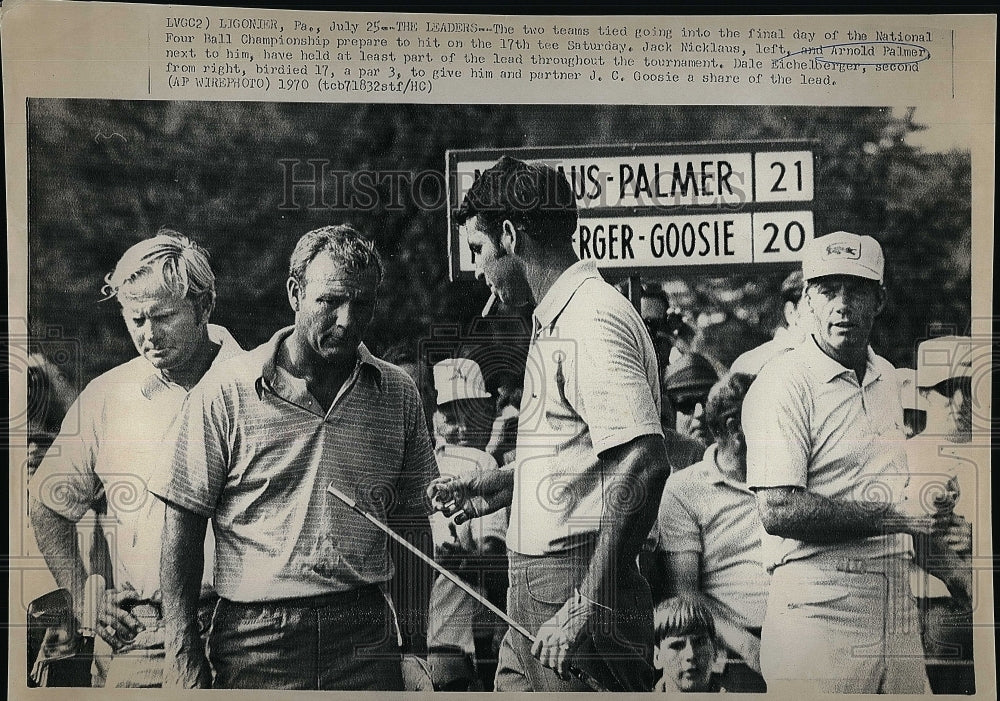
[500, 397]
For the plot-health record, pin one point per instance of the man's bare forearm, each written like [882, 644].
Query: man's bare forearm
[641, 469]
[812, 518]
[56, 536]
[181, 568]
[498, 488]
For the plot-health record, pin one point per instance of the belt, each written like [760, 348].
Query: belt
[336, 598]
[850, 565]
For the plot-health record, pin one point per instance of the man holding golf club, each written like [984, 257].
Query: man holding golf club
[590, 462]
[300, 574]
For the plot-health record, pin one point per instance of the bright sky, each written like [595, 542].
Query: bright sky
[943, 132]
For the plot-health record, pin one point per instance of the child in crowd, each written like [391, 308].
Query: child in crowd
[687, 650]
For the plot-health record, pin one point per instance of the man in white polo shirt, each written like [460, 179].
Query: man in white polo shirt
[166, 289]
[590, 460]
[825, 456]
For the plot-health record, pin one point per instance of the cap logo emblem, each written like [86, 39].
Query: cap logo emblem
[842, 250]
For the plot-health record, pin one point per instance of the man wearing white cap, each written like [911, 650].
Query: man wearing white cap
[940, 470]
[462, 423]
[824, 432]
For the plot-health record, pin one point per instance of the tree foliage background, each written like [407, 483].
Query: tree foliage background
[104, 174]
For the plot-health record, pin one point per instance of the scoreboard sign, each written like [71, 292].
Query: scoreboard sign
[660, 207]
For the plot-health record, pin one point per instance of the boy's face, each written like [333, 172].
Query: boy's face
[464, 422]
[686, 662]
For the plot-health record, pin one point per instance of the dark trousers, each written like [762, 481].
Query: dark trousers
[344, 641]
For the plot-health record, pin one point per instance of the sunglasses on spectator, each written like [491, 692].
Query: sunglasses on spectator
[686, 405]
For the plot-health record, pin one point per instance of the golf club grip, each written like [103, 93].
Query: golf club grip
[586, 678]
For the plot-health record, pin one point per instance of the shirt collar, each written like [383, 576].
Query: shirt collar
[562, 290]
[266, 360]
[826, 369]
[717, 476]
[155, 382]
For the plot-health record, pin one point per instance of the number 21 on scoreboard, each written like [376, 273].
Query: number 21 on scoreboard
[783, 176]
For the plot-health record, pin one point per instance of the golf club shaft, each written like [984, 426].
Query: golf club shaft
[456, 580]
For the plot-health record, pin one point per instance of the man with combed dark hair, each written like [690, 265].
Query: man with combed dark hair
[301, 577]
[166, 289]
[589, 446]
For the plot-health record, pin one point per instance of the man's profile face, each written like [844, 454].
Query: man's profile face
[844, 308]
[464, 422]
[166, 330]
[496, 267]
[686, 661]
[334, 305]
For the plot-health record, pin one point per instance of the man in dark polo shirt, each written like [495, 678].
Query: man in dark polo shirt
[301, 577]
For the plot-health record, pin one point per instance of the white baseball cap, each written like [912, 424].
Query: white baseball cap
[459, 378]
[843, 253]
[944, 358]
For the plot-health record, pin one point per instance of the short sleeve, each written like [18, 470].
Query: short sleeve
[677, 525]
[193, 474]
[419, 466]
[776, 427]
[615, 395]
[66, 481]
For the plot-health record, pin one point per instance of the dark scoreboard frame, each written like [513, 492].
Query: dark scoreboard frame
[617, 273]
